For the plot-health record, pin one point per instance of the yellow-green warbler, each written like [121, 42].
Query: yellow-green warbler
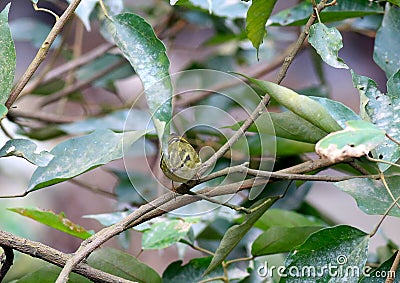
[182, 163]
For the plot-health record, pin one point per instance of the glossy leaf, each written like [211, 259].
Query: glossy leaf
[234, 234]
[190, 272]
[327, 42]
[289, 126]
[84, 10]
[385, 55]
[123, 265]
[257, 16]
[194, 269]
[147, 55]
[356, 140]
[285, 147]
[379, 274]
[164, 234]
[56, 221]
[344, 9]
[284, 218]
[340, 112]
[27, 150]
[341, 247]
[382, 110]
[281, 239]
[373, 198]
[78, 155]
[301, 105]
[7, 59]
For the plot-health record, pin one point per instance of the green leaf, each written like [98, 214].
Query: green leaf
[301, 105]
[341, 247]
[356, 140]
[234, 234]
[26, 149]
[287, 125]
[56, 221]
[284, 218]
[123, 265]
[285, 147]
[379, 274]
[190, 272]
[32, 30]
[344, 9]
[386, 55]
[49, 274]
[164, 234]
[381, 110]
[7, 58]
[257, 16]
[147, 55]
[3, 111]
[78, 155]
[84, 10]
[327, 42]
[395, 2]
[373, 198]
[280, 239]
[340, 112]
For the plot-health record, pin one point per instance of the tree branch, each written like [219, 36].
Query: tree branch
[42, 53]
[8, 261]
[38, 250]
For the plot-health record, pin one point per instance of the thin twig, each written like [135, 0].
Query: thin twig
[7, 133]
[393, 269]
[73, 64]
[42, 53]
[93, 188]
[43, 116]
[373, 232]
[8, 261]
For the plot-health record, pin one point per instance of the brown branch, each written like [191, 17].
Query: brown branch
[42, 53]
[53, 256]
[42, 116]
[8, 261]
[64, 68]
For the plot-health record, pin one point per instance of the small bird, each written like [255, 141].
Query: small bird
[182, 163]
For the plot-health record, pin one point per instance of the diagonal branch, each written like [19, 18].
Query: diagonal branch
[42, 53]
[38, 250]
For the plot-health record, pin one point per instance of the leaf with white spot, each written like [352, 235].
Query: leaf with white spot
[384, 111]
[78, 155]
[147, 54]
[356, 140]
[327, 42]
[27, 150]
[164, 234]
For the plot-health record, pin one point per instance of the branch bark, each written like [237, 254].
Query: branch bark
[38, 250]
